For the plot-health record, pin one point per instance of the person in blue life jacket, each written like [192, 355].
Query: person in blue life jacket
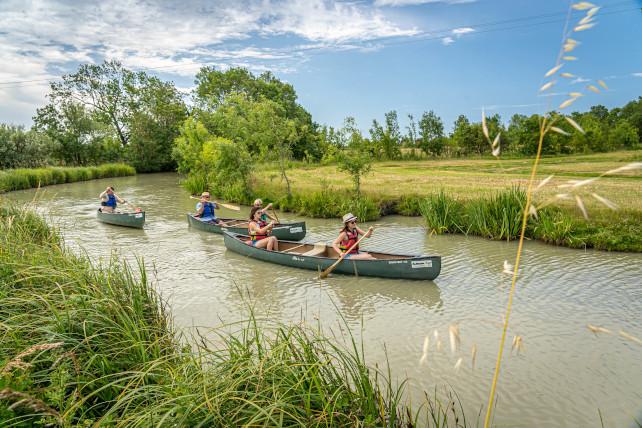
[348, 236]
[205, 210]
[260, 232]
[109, 200]
[265, 216]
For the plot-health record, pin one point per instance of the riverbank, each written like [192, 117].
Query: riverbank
[84, 344]
[478, 197]
[20, 179]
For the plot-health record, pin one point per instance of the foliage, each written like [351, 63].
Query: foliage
[385, 141]
[431, 130]
[19, 179]
[355, 159]
[22, 149]
[212, 163]
[105, 113]
[240, 95]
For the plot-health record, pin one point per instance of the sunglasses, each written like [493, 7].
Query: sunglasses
[352, 222]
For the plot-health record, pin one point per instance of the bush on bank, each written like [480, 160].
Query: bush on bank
[20, 179]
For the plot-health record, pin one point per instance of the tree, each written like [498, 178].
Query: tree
[215, 88]
[103, 90]
[431, 129]
[79, 138]
[157, 112]
[355, 159]
[623, 135]
[411, 138]
[23, 149]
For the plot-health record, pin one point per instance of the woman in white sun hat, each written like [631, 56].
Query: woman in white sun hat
[348, 236]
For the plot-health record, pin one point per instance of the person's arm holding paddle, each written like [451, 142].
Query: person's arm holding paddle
[347, 253]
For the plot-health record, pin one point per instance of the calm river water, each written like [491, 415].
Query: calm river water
[562, 376]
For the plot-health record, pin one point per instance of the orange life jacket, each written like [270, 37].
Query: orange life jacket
[352, 237]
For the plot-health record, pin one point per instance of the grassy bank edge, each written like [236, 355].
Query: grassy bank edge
[21, 179]
[84, 344]
[495, 216]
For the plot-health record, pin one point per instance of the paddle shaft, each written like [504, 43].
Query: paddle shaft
[326, 272]
[228, 206]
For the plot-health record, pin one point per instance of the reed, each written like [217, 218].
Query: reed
[20, 179]
[85, 344]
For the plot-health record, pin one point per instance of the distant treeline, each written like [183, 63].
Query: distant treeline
[106, 113]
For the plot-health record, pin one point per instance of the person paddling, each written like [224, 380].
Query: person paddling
[264, 211]
[205, 210]
[348, 236]
[109, 200]
[260, 230]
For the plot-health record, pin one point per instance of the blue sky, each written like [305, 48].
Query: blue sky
[347, 58]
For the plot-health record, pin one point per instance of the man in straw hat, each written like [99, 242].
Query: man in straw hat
[348, 236]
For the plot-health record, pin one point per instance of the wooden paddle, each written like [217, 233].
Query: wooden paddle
[326, 272]
[228, 206]
[276, 216]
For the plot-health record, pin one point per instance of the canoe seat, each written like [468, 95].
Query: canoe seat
[319, 249]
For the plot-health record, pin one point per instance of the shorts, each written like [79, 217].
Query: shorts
[347, 256]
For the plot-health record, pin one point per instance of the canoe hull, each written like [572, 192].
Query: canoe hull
[412, 267]
[284, 231]
[135, 220]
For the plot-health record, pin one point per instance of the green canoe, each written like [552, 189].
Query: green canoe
[285, 231]
[320, 256]
[126, 219]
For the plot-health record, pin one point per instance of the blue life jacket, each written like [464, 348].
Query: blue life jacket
[264, 217]
[208, 210]
[111, 201]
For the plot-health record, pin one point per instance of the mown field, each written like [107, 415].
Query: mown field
[472, 178]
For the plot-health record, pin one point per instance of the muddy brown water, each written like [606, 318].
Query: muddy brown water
[563, 374]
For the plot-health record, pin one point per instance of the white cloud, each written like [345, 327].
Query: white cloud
[447, 40]
[463, 30]
[636, 74]
[399, 3]
[456, 33]
[46, 38]
[579, 80]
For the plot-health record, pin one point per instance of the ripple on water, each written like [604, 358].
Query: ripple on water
[562, 376]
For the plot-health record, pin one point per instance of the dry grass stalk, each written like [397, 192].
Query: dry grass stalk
[455, 340]
[593, 88]
[473, 355]
[569, 58]
[17, 361]
[518, 344]
[597, 330]
[508, 268]
[20, 399]
[605, 201]
[543, 182]
[568, 75]
[567, 103]
[573, 123]
[583, 5]
[559, 130]
[630, 337]
[458, 364]
[553, 70]
[424, 355]
[546, 86]
[580, 205]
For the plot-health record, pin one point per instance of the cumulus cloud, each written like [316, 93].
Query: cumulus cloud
[456, 34]
[43, 39]
[636, 74]
[447, 40]
[399, 3]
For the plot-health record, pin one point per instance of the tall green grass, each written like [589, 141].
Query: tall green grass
[20, 179]
[84, 345]
[499, 217]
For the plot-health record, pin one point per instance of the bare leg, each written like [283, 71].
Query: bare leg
[275, 243]
[361, 256]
